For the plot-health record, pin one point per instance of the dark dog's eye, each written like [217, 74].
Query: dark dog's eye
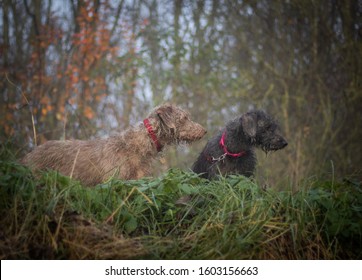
[261, 123]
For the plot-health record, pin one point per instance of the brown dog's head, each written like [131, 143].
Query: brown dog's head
[173, 125]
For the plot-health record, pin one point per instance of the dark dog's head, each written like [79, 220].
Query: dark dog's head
[263, 131]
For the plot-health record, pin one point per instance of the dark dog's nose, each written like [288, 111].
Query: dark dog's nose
[283, 143]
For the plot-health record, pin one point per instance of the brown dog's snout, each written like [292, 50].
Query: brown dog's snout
[198, 131]
[202, 131]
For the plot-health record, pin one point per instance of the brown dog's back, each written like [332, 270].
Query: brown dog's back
[128, 155]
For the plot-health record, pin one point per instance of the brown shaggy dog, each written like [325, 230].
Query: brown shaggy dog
[127, 156]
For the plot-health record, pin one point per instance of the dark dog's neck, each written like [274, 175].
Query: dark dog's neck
[236, 140]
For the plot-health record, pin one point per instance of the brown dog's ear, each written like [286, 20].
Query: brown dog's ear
[249, 124]
[165, 114]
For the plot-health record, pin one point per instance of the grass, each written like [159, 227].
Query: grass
[175, 216]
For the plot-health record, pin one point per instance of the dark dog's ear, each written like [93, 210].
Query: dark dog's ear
[249, 123]
[165, 115]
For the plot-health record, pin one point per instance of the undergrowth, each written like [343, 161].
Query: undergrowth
[175, 216]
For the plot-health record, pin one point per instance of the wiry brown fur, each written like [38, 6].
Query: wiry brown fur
[127, 156]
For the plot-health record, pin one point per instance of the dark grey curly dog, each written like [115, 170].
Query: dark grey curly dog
[231, 151]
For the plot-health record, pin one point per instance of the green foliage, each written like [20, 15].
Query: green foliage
[175, 216]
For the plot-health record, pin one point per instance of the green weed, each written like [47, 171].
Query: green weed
[175, 216]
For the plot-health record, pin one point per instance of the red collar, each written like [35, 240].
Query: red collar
[223, 146]
[152, 134]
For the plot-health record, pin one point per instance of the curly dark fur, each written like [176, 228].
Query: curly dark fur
[253, 129]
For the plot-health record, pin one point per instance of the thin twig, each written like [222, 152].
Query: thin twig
[75, 160]
[27, 101]
[110, 218]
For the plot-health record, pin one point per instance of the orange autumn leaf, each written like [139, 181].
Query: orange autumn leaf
[8, 129]
[45, 100]
[88, 112]
[9, 116]
[72, 101]
[74, 79]
[44, 111]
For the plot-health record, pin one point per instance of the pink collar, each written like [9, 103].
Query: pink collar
[152, 134]
[222, 144]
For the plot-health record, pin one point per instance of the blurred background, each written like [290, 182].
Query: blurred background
[84, 69]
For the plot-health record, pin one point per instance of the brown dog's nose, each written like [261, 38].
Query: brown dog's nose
[203, 132]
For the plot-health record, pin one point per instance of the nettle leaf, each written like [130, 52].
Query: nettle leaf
[187, 189]
[168, 187]
[131, 224]
[169, 215]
